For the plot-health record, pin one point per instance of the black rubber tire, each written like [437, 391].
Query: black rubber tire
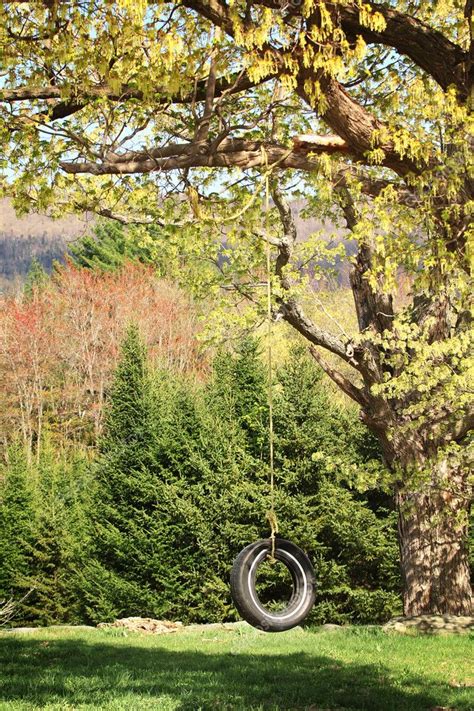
[243, 578]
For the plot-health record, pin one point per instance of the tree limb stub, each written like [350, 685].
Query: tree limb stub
[355, 125]
[312, 142]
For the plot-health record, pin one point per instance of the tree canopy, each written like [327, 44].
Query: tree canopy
[125, 88]
[126, 108]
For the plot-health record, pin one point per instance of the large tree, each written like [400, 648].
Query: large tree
[104, 105]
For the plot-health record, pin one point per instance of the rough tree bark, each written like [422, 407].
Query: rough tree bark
[433, 535]
[433, 498]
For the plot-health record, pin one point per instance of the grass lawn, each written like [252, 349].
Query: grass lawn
[240, 669]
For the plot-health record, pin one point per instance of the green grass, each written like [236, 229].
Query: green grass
[240, 669]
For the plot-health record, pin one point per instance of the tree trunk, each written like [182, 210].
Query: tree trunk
[433, 530]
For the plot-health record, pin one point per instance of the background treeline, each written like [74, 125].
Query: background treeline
[59, 344]
[135, 463]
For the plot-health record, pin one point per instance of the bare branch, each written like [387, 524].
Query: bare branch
[126, 219]
[294, 315]
[229, 153]
[374, 307]
[341, 381]
[286, 244]
[227, 86]
[203, 127]
[9, 608]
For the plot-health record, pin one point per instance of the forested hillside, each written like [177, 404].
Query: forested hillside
[33, 236]
[38, 237]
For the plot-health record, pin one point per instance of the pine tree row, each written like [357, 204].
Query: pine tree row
[179, 485]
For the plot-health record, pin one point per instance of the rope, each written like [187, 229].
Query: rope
[271, 513]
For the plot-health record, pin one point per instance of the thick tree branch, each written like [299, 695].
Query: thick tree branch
[232, 85]
[295, 316]
[290, 234]
[229, 86]
[289, 309]
[428, 48]
[468, 14]
[355, 393]
[374, 307]
[202, 131]
[239, 153]
[228, 154]
[214, 10]
[356, 126]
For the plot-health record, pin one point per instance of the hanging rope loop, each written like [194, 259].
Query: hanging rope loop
[271, 513]
[243, 577]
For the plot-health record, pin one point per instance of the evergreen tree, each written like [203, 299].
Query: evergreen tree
[240, 391]
[314, 436]
[181, 485]
[321, 452]
[165, 500]
[319, 449]
[61, 540]
[44, 539]
[16, 523]
[36, 279]
[117, 580]
[148, 533]
[108, 248]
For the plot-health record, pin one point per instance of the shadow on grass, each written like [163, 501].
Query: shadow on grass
[74, 672]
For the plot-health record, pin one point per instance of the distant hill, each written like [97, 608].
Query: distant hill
[38, 236]
[34, 235]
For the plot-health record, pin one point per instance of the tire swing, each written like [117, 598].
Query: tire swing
[243, 577]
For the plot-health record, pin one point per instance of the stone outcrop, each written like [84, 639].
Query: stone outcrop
[431, 624]
[144, 624]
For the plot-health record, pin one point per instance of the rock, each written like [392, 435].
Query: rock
[395, 626]
[26, 630]
[72, 627]
[328, 627]
[143, 624]
[431, 624]
[218, 626]
[21, 630]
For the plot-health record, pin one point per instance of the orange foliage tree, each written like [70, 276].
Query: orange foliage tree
[59, 347]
